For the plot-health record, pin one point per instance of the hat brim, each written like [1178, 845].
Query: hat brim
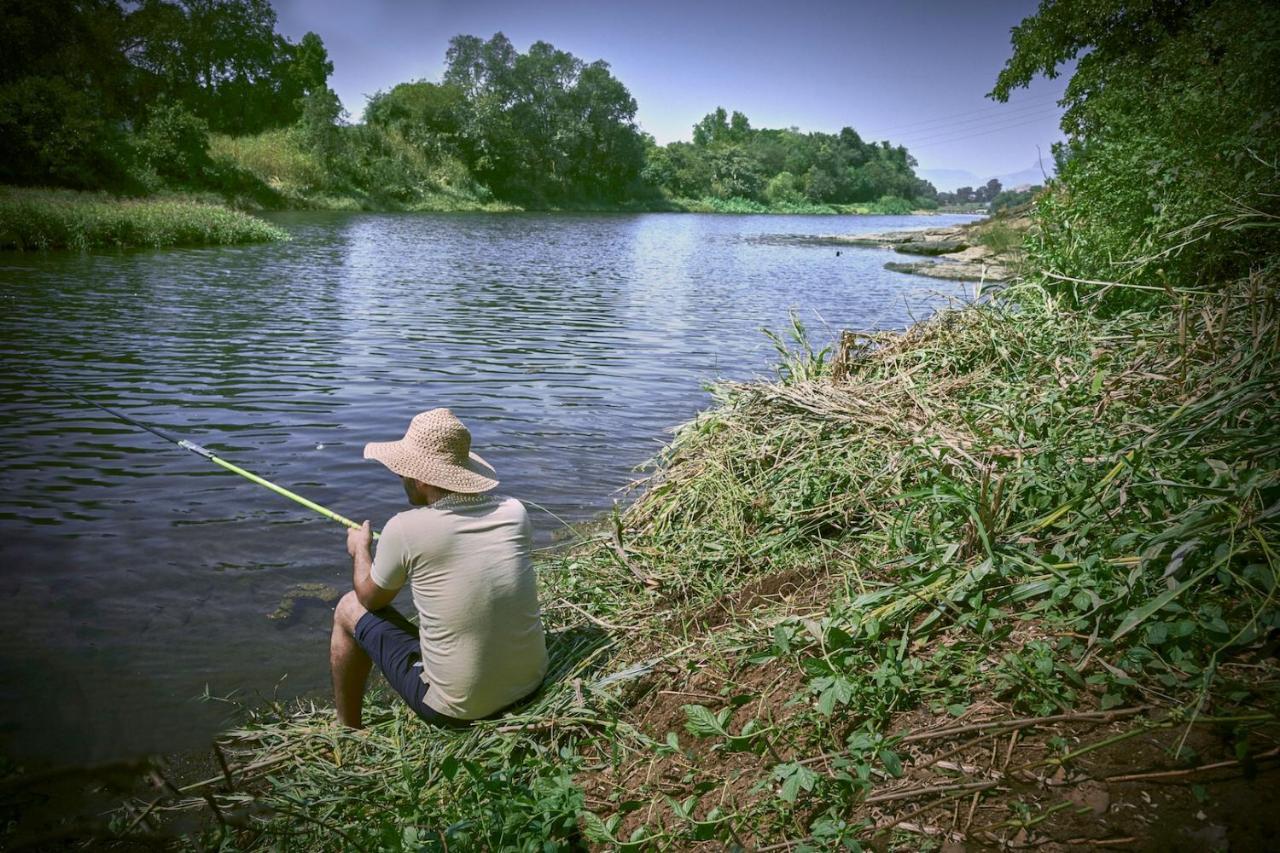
[401, 458]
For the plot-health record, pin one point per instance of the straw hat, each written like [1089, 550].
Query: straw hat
[436, 449]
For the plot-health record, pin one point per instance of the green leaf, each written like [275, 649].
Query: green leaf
[1136, 617]
[701, 722]
[796, 778]
[892, 764]
[595, 829]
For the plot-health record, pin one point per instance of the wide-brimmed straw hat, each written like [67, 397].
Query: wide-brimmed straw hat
[436, 449]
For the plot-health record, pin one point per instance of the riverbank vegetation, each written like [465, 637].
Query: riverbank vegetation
[169, 96]
[65, 219]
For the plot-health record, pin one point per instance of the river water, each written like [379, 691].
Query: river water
[135, 577]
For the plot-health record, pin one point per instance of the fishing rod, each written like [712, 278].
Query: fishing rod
[215, 459]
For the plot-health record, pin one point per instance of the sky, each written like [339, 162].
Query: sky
[912, 72]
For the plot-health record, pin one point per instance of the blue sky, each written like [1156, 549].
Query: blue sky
[912, 72]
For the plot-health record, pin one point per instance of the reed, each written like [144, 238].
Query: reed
[64, 219]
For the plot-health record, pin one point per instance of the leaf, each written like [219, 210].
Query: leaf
[780, 639]
[594, 828]
[837, 639]
[449, 767]
[1136, 617]
[892, 764]
[796, 777]
[839, 692]
[701, 722]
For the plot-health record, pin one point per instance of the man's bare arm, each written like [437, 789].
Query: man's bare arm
[359, 546]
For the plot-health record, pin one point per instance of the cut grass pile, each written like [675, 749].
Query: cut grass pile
[961, 583]
[64, 219]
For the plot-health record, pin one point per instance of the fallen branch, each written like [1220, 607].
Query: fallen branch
[1173, 774]
[1028, 722]
[934, 789]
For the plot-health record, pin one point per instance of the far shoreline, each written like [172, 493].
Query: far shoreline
[47, 219]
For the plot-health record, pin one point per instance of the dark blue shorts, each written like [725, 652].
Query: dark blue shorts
[392, 642]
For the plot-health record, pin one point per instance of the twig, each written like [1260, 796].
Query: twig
[1102, 842]
[935, 789]
[608, 626]
[1173, 774]
[222, 762]
[881, 830]
[615, 540]
[1028, 722]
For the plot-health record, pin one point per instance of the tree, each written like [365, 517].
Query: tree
[1170, 122]
[784, 188]
[224, 60]
[543, 123]
[173, 142]
[63, 93]
[713, 128]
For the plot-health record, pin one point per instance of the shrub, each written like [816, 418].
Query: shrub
[174, 143]
[892, 205]
[1173, 128]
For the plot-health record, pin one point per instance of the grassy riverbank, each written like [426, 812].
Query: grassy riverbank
[64, 219]
[953, 583]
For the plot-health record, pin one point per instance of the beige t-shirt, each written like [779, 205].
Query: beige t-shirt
[467, 561]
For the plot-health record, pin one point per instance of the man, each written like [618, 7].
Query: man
[479, 645]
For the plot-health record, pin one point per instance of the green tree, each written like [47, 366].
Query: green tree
[713, 128]
[784, 188]
[174, 143]
[63, 93]
[1171, 125]
[225, 61]
[543, 124]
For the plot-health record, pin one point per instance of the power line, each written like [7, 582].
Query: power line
[1037, 102]
[979, 133]
[1008, 121]
[979, 120]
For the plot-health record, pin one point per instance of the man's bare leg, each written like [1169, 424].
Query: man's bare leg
[348, 662]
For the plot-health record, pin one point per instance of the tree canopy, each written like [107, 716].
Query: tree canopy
[78, 75]
[1171, 126]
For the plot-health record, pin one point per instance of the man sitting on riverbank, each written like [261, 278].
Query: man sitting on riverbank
[479, 645]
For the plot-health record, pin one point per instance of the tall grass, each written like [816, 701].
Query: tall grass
[64, 219]
[364, 168]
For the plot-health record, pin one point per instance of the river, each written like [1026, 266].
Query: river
[136, 577]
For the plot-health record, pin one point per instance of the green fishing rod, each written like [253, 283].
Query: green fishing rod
[215, 459]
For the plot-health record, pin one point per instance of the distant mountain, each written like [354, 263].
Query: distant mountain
[1030, 176]
[948, 180]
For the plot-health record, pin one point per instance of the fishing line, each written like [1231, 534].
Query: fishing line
[214, 458]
